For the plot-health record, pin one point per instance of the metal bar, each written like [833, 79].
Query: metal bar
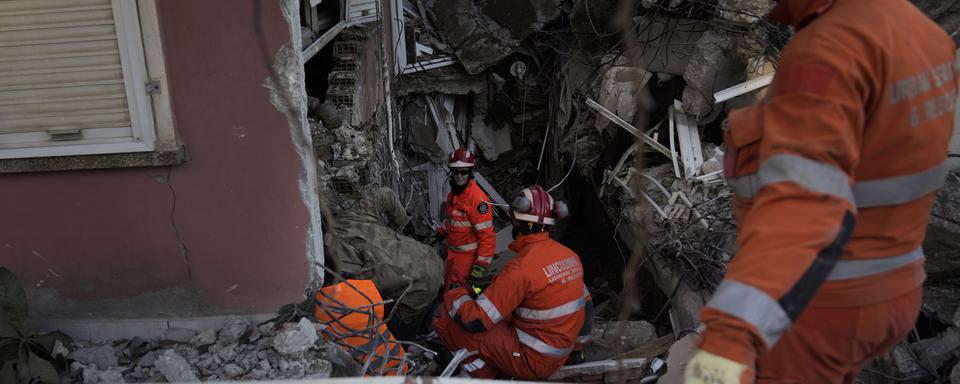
[742, 88]
[627, 126]
[325, 38]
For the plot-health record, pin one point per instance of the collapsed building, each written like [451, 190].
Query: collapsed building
[614, 106]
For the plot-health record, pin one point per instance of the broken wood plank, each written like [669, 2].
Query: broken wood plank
[673, 152]
[691, 154]
[627, 126]
[322, 41]
[649, 350]
[742, 88]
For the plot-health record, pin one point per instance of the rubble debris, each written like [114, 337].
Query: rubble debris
[715, 65]
[205, 338]
[296, 339]
[607, 340]
[482, 37]
[955, 374]
[620, 92]
[233, 328]
[923, 359]
[598, 368]
[102, 357]
[677, 357]
[92, 375]
[175, 368]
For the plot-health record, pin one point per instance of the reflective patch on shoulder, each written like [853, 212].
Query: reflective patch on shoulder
[483, 208]
[803, 78]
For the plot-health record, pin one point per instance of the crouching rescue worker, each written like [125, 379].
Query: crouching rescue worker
[468, 227]
[526, 322]
[834, 175]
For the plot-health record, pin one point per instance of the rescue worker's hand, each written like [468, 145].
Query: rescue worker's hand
[706, 367]
[477, 273]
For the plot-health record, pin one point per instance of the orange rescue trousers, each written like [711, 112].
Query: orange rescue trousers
[832, 344]
[498, 351]
[457, 268]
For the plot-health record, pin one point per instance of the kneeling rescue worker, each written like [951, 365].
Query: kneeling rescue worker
[834, 174]
[468, 228]
[526, 322]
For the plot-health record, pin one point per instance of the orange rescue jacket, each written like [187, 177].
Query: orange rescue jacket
[540, 292]
[835, 172]
[469, 224]
[353, 314]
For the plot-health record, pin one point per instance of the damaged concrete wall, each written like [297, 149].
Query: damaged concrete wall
[224, 232]
[483, 33]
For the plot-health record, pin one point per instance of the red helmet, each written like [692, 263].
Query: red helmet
[535, 205]
[461, 158]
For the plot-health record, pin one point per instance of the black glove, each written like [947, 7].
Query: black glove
[477, 273]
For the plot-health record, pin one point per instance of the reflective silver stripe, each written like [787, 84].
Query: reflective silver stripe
[744, 186]
[552, 313]
[464, 247]
[539, 346]
[753, 306]
[900, 189]
[485, 259]
[474, 365]
[458, 223]
[866, 194]
[812, 175]
[457, 303]
[584, 339]
[852, 269]
[491, 310]
[586, 292]
[483, 225]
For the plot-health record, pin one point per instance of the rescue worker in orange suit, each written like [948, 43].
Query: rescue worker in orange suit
[468, 227]
[526, 322]
[834, 174]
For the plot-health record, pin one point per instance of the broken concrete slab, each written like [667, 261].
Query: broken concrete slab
[597, 367]
[743, 12]
[102, 356]
[175, 368]
[482, 34]
[619, 92]
[608, 341]
[955, 374]
[205, 338]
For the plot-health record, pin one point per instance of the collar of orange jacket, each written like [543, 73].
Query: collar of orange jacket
[799, 12]
[523, 241]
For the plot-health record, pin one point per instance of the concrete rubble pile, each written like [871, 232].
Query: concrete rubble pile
[237, 351]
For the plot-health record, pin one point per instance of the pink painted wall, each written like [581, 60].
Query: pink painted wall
[102, 243]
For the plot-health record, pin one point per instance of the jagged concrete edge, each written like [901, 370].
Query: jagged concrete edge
[288, 65]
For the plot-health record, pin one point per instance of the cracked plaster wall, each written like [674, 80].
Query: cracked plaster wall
[226, 231]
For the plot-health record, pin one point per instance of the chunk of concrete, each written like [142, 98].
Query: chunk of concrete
[232, 370]
[205, 338]
[179, 335]
[102, 357]
[934, 352]
[233, 328]
[175, 368]
[92, 375]
[296, 339]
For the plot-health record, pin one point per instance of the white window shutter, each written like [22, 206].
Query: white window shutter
[72, 79]
[361, 11]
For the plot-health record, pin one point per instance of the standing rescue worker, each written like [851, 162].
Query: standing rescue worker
[834, 175]
[526, 322]
[468, 227]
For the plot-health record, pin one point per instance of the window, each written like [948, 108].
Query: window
[74, 78]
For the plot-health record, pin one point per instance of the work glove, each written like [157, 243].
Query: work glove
[477, 273]
[706, 367]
